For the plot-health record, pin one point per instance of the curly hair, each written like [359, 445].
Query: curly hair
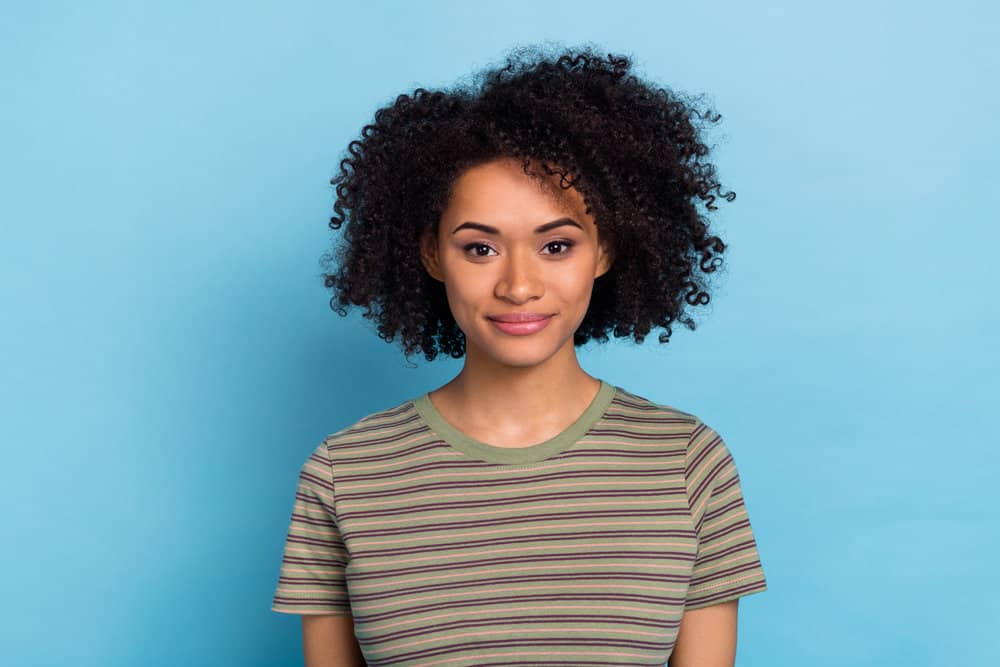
[633, 150]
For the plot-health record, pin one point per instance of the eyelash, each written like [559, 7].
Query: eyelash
[569, 244]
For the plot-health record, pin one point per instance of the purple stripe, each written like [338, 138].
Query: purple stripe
[382, 415]
[636, 404]
[474, 465]
[631, 419]
[337, 584]
[709, 479]
[421, 447]
[506, 560]
[747, 545]
[596, 535]
[514, 579]
[305, 474]
[732, 528]
[471, 504]
[310, 500]
[412, 612]
[312, 541]
[719, 513]
[479, 484]
[302, 560]
[724, 574]
[301, 518]
[391, 437]
[621, 619]
[729, 483]
[580, 452]
[517, 520]
[323, 602]
[632, 435]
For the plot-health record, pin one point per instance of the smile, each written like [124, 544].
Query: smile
[522, 327]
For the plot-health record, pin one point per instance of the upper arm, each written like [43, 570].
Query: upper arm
[313, 581]
[707, 637]
[727, 565]
[313, 576]
[328, 640]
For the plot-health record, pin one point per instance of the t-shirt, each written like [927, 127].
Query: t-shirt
[584, 549]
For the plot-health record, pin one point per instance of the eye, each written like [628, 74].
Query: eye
[566, 245]
[477, 247]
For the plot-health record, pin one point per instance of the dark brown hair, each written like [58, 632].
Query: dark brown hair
[632, 149]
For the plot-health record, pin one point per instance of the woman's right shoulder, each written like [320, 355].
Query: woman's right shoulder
[382, 423]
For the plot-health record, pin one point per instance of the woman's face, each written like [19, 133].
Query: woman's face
[509, 246]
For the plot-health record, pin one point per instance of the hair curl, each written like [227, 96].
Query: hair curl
[633, 150]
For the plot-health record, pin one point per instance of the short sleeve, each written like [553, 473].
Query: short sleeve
[312, 579]
[727, 565]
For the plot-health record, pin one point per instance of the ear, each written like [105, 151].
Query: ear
[429, 253]
[605, 257]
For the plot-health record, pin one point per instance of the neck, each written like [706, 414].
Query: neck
[490, 394]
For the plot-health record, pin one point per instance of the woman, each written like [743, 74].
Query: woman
[525, 512]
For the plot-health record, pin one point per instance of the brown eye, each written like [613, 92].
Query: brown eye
[477, 247]
[566, 245]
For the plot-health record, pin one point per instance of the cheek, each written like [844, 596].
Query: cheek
[463, 293]
[467, 283]
[576, 281]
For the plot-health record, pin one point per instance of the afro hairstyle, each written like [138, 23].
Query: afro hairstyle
[632, 149]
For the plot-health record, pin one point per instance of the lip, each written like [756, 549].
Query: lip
[519, 317]
[520, 324]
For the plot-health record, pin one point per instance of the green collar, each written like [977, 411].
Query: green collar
[531, 454]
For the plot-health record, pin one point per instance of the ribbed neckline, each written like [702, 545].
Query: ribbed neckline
[531, 454]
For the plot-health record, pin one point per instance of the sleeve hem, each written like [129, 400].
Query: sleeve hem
[310, 612]
[735, 588]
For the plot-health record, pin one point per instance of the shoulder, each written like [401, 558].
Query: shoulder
[386, 424]
[639, 407]
[700, 441]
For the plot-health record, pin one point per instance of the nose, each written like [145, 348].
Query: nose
[519, 280]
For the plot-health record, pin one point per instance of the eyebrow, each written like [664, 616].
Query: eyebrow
[541, 229]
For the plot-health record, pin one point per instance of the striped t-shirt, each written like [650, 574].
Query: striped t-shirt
[584, 549]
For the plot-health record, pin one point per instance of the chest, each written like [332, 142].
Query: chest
[566, 562]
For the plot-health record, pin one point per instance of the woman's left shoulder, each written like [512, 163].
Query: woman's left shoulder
[642, 403]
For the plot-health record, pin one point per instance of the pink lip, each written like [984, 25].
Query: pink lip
[520, 324]
[519, 317]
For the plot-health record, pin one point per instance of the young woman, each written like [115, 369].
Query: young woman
[526, 512]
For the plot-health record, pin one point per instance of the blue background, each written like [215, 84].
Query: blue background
[169, 358]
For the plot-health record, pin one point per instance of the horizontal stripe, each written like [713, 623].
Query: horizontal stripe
[590, 556]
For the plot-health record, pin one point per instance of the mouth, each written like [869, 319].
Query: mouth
[519, 317]
[520, 324]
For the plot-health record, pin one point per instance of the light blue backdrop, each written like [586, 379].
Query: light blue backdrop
[169, 357]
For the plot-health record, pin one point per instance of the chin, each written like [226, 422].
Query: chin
[518, 352]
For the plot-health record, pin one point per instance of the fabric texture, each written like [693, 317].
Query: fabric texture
[585, 549]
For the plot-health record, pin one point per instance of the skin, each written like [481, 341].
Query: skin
[707, 637]
[494, 398]
[512, 267]
[328, 640]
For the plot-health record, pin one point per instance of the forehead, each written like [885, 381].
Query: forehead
[500, 191]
